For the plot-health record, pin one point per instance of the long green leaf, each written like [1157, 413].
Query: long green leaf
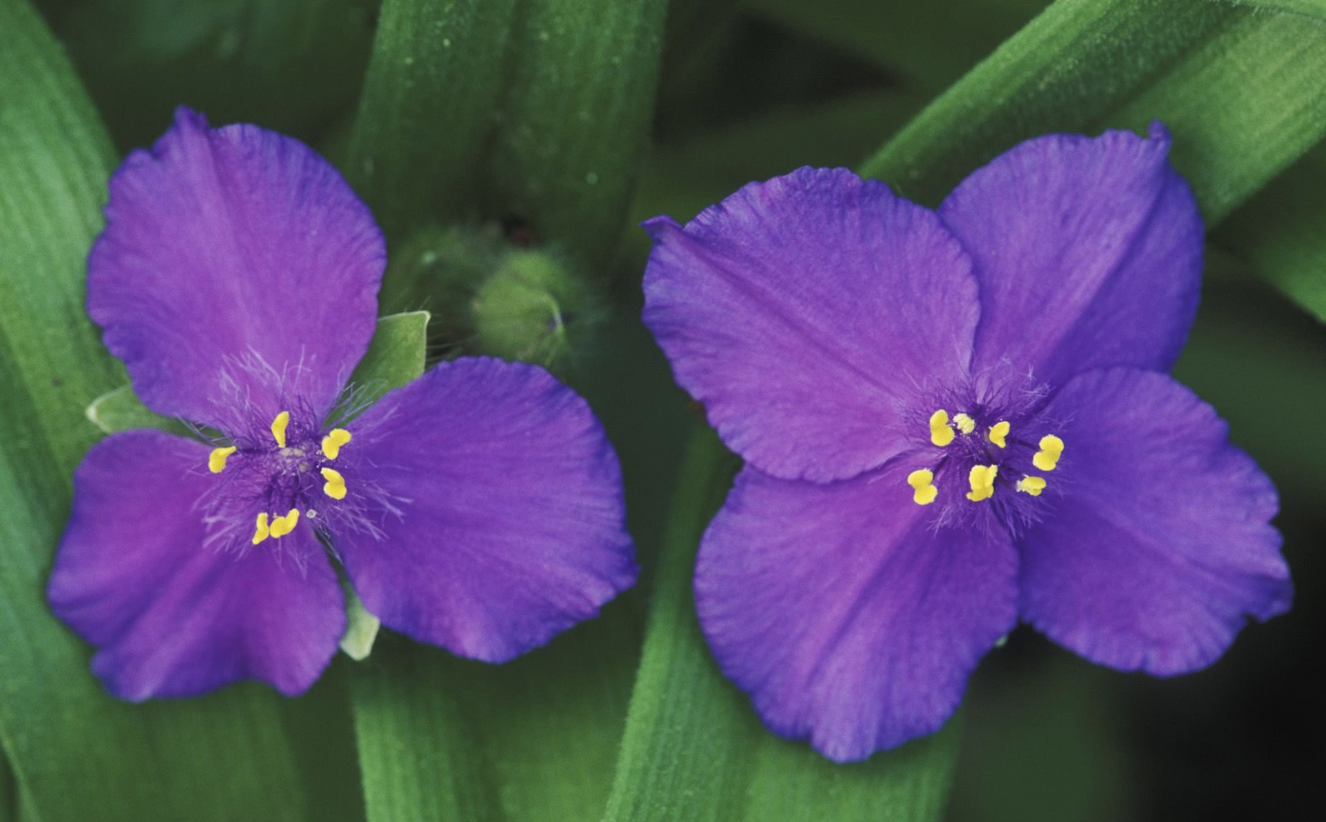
[575, 118]
[1281, 233]
[78, 754]
[693, 749]
[429, 100]
[1085, 66]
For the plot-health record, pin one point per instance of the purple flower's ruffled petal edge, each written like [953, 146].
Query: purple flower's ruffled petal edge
[236, 268]
[170, 615]
[504, 517]
[805, 312]
[1159, 543]
[1088, 253]
[844, 613]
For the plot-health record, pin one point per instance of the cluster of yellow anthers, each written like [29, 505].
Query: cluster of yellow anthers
[981, 477]
[334, 487]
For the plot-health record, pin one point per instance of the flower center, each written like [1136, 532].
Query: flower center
[982, 455]
[279, 477]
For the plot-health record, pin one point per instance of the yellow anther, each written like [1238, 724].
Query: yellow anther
[1052, 448]
[965, 423]
[278, 428]
[335, 487]
[940, 433]
[284, 525]
[1031, 485]
[261, 531]
[216, 461]
[998, 432]
[982, 479]
[922, 482]
[331, 444]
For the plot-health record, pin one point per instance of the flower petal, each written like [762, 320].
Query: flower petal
[169, 615]
[1088, 253]
[238, 252]
[1159, 543]
[844, 612]
[803, 310]
[510, 515]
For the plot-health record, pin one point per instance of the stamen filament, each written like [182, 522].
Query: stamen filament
[278, 428]
[216, 461]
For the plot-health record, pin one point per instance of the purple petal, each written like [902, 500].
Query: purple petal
[169, 615]
[1159, 543]
[804, 311]
[1088, 253]
[844, 612]
[510, 516]
[235, 252]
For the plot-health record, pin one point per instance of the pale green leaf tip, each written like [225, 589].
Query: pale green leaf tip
[421, 317]
[361, 628]
[93, 412]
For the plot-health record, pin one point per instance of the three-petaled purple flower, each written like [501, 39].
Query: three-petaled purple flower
[478, 508]
[952, 420]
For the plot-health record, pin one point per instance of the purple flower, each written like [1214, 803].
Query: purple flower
[954, 420]
[478, 508]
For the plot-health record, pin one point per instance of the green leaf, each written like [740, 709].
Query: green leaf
[8, 793]
[121, 410]
[361, 629]
[575, 118]
[442, 738]
[394, 357]
[693, 748]
[429, 99]
[289, 65]
[417, 752]
[1239, 87]
[76, 752]
[1280, 233]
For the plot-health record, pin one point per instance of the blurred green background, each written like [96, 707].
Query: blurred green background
[507, 147]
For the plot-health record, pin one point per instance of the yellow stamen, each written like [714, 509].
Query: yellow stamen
[1031, 485]
[922, 482]
[965, 423]
[940, 433]
[331, 444]
[1052, 448]
[216, 461]
[284, 525]
[335, 487]
[982, 479]
[278, 428]
[261, 531]
[998, 432]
